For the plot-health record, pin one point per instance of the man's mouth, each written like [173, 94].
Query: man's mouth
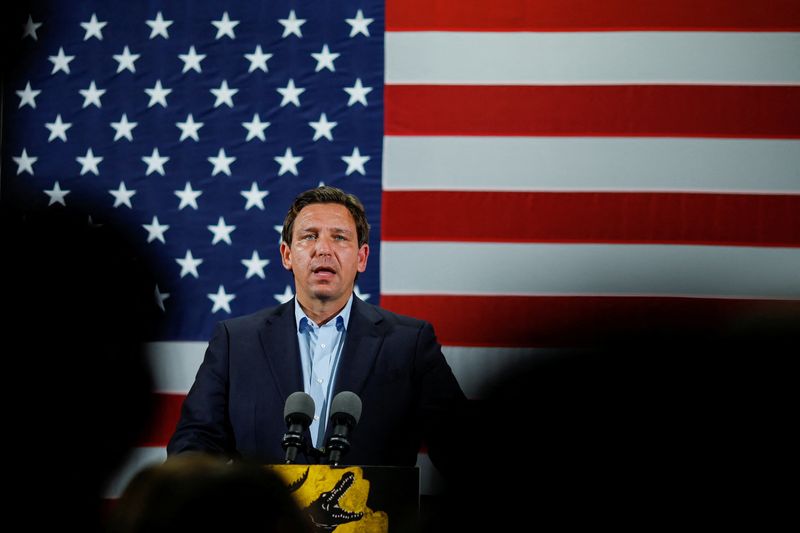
[324, 271]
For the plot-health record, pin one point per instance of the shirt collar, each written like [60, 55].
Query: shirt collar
[341, 320]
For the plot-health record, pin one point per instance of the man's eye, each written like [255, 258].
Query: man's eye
[309, 237]
[340, 237]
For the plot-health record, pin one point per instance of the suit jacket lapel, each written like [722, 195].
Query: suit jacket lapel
[364, 339]
[279, 342]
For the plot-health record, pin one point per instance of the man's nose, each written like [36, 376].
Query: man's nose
[323, 245]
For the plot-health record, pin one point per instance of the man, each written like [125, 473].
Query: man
[322, 342]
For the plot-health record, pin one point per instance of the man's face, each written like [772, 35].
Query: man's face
[324, 256]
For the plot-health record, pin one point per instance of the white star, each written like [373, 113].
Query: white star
[94, 28]
[255, 266]
[221, 231]
[288, 162]
[92, 95]
[28, 96]
[221, 300]
[155, 162]
[359, 294]
[358, 93]
[359, 24]
[126, 60]
[189, 264]
[292, 25]
[30, 27]
[222, 163]
[189, 128]
[89, 163]
[286, 296]
[160, 297]
[323, 128]
[225, 26]
[290, 94]
[355, 162]
[325, 59]
[191, 61]
[258, 60]
[279, 229]
[155, 230]
[159, 26]
[124, 128]
[224, 94]
[58, 129]
[56, 195]
[255, 197]
[255, 128]
[158, 95]
[188, 196]
[61, 61]
[24, 163]
[122, 196]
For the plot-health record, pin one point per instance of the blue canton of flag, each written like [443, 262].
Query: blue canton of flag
[195, 124]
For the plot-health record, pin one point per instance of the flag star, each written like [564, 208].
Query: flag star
[221, 300]
[126, 60]
[155, 162]
[359, 294]
[189, 128]
[60, 61]
[292, 25]
[286, 296]
[255, 128]
[279, 229]
[222, 232]
[58, 129]
[189, 264]
[225, 26]
[160, 297]
[355, 162]
[159, 26]
[191, 61]
[92, 95]
[222, 163]
[155, 230]
[258, 60]
[94, 28]
[291, 93]
[56, 195]
[288, 162]
[224, 94]
[28, 96]
[30, 27]
[323, 128]
[188, 196]
[122, 196]
[325, 59]
[255, 197]
[89, 163]
[25, 163]
[255, 266]
[359, 24]
[124, 128]
[358, 93]
[158, 95]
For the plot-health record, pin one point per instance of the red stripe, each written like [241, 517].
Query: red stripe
[167, 412]
[599, 110]
[558, 321]
[590, 15]
[598, 217]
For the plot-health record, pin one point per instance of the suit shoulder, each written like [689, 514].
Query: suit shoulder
[256, 319]
[396, 318]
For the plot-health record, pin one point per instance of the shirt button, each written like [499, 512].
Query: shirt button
[316, 418]
[322, 346]
[320, 380]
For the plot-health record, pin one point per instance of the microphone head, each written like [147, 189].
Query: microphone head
[346, 403]
[298, 403]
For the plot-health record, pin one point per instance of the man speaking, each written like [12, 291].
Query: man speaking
[324, 341]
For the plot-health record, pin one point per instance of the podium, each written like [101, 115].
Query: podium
[349, 499]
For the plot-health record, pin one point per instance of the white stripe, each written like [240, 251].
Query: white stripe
[591, 164]
[589, 269]
[138, 459]
[522, 58]
[174, 365]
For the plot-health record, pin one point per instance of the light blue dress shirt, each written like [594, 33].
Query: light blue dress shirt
[320, 351]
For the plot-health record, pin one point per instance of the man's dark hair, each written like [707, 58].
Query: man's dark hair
[328, 195]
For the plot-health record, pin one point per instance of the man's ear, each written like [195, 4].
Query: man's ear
[363, 254]
[286, 256]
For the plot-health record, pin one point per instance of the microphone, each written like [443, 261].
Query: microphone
[298, 412]
[346, 409]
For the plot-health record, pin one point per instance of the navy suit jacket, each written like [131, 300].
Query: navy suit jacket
[394, 364]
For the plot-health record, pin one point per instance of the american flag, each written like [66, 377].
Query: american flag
[529, 166]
